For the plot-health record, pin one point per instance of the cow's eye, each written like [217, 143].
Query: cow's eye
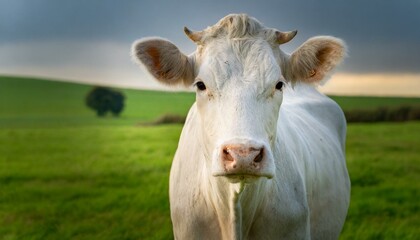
[200, 86]
[279, 86]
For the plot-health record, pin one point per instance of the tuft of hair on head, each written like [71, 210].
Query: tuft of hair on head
[239, 26]
[232, 26]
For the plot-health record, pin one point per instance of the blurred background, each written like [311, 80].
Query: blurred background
[89, 41]
[87, 137]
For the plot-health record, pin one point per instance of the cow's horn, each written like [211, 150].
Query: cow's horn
[284, 37]
[194, 36]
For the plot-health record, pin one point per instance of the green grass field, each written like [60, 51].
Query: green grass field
[25, 102]
[66, 174]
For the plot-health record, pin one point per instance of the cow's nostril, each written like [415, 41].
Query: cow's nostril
[259, 157]
[227, 155]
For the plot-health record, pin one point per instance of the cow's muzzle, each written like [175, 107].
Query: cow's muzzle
[245, 160]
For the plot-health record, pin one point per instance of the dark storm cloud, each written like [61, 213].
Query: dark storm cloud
[382, 35]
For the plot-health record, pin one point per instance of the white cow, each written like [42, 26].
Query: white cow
[245, 167]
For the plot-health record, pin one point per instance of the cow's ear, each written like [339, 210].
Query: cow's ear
[164, 61]
[314, 60]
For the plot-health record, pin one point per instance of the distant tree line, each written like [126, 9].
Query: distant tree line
[104, 100]
[384, 114]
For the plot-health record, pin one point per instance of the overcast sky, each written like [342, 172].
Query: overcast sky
[90, 40]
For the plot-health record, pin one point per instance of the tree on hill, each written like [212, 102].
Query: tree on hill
[104, 100]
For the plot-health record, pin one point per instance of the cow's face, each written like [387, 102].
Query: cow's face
[239, 90]
[239, 74]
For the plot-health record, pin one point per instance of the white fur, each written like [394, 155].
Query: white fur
[302, 131]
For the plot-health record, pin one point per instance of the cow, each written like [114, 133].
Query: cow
[262, 151]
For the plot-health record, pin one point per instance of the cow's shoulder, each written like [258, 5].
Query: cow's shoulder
[304, 103]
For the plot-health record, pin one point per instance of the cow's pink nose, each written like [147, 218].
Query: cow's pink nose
[242, 159]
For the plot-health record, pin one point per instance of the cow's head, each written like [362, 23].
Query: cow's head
[239, 74]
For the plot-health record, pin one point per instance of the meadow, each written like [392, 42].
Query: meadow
[66, 174]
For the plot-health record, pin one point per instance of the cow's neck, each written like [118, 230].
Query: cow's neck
[236, 205]
[235, 210]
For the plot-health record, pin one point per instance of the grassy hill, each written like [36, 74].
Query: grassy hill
[364, 102]
[35, 102]
[66, 174]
